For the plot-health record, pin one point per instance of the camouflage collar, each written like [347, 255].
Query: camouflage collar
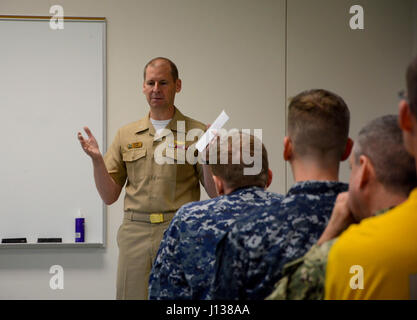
[246, 189]
[378, 213]
[318, 187]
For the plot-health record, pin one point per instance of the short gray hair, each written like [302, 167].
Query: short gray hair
[382, 142]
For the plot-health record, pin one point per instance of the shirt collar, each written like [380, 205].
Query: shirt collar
[245, 189]
[379, 212]
[146, 123]
[317, 187]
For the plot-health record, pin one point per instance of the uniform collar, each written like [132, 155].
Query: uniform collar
[245, 189]
[379, 212]
[146, 123]
[318, 187]
[173, 124]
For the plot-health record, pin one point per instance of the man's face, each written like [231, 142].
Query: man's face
[355, 198]
[159, 86]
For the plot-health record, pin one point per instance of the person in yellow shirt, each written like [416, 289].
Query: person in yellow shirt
[377, 259]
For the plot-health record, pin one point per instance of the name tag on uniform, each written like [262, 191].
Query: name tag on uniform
[135, 145]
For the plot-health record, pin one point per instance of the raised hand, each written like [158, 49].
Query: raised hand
[341, 217]
[90, 145]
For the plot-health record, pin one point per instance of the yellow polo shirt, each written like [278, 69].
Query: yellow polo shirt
[153, 187]
[382, 249]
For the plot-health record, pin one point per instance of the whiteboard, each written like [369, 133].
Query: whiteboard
[52, 84]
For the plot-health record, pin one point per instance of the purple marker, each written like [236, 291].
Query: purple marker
[79, 228]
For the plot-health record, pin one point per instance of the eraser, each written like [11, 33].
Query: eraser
[14, 240]
[43, 240]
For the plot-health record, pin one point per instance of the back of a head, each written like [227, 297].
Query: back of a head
[240, 159]
[318, 125]
[412, 86]
[381, 141]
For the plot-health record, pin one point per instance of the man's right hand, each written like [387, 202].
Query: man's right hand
[340, 219]
[90, 145]
[108, 189]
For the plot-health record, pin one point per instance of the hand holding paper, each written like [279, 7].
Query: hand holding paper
[211, 132]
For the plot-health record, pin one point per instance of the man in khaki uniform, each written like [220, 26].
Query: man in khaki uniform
[154, 189]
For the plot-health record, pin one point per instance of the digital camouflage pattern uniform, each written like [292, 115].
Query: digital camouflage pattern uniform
[184, 266]
[251, 256]
[304, 278]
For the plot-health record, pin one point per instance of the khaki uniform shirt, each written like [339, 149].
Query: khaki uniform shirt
[153, 187]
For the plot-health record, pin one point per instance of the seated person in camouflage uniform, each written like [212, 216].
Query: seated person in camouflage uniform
[383, 174]
[250, 257]
[184, 266]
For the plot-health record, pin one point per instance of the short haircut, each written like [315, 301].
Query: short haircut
[318, 124]
[174, 70]
[412, 86]
[232, 171]
[381, 140]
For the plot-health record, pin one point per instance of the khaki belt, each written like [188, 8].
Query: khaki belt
[149, 217]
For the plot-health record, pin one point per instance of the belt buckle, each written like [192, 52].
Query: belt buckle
[156, 217]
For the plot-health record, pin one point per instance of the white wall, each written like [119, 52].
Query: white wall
[231, 55]
[365, 67]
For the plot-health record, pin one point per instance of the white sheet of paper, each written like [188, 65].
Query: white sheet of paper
[209, 134]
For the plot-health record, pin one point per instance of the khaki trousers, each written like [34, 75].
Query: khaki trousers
[138, 242]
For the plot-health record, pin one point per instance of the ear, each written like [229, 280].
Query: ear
[367, 171]
[218, 183]
[268, 183]
[288, 152]
[348, 149]
[178, 85]
[404, 117]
